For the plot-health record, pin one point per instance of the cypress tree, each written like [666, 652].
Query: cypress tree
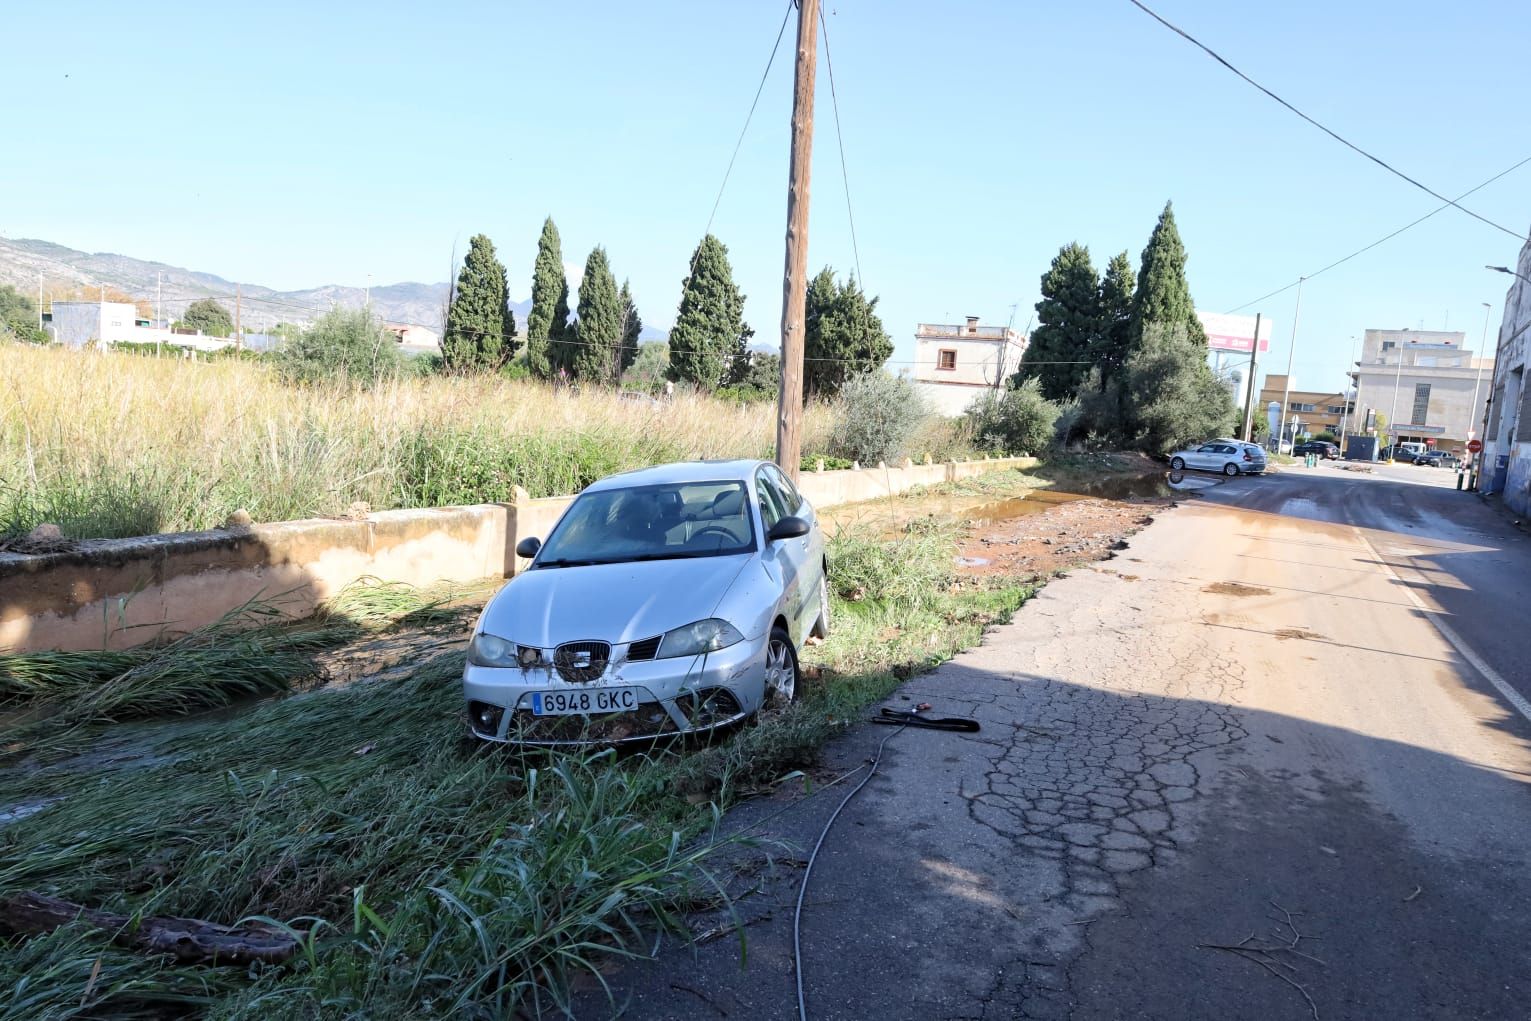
[481, 329]
[1112, 343]
[842, 335]
[598, 333]
[1169, 394]
[632, 326]
[709, 326]
[1069, 325]
[1163, 297]
[548, 320]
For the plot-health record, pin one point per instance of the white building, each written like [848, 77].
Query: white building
[1507, 440]
[955, 364]
[1427, 387]
[78, 323]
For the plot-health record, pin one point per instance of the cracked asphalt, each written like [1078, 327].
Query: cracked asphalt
[1235, 772]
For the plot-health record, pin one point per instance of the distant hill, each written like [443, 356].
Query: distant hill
[22, 260]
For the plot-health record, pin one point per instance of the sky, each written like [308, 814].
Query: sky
[297, 144]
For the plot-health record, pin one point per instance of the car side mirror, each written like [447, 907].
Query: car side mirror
[528, 547]
[789, 527]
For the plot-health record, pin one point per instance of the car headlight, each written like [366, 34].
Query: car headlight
[487, 650]
[703, 636]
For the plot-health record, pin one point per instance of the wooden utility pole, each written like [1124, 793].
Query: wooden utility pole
[239, 337]
[1249, 394]
[789, 410]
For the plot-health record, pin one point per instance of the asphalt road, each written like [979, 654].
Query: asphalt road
[1236, 772]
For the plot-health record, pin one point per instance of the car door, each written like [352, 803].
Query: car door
[815, 559]
[786, 560]
[1204, 455]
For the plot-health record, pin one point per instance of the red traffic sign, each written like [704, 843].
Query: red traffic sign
[1474, 446]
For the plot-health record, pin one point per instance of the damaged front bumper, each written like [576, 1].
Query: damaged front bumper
[683, 695]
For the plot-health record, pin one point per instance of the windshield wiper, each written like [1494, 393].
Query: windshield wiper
[566, 562]
[675, 555]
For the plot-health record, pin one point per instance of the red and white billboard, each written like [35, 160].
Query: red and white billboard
[1234, 333]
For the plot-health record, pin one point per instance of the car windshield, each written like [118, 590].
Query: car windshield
[673, 521]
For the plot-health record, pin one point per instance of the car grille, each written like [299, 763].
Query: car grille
[581, 662]
[646, 649]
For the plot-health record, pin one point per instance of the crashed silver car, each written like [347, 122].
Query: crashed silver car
[670, 600]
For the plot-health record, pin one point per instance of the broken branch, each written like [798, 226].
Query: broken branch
[188, 940]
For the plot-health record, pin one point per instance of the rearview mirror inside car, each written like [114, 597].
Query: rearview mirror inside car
[528, 547]
[788, 528]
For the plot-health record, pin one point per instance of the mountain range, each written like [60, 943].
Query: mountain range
[26, 261]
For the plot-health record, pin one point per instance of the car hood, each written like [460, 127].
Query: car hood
[616, 603]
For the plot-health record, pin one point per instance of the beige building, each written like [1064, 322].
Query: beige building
[1425, 384]
[955, 364]
[1308, 412]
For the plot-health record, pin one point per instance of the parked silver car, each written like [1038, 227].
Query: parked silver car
[1229, 456]
[669, 600]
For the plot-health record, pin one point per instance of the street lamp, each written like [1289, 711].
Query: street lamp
[1511, 272]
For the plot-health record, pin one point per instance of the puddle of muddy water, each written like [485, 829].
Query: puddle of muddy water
[890, 516]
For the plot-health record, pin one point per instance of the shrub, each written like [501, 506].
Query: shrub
[1324, 437]
[876, 416]
[810, 463]
[342, 344]
[1018, 421]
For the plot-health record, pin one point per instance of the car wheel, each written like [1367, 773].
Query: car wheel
[781, 671]
[821, 626]
[1230, 469]
[1177, 463]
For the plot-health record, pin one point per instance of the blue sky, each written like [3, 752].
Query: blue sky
[294, 144]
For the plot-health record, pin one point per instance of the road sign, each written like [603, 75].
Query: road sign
[1474, 446]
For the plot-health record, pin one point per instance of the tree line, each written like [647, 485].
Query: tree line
[1124, 357]
[598, 340]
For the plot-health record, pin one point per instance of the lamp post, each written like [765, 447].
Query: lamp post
[1511, 272]
[1392, 416]
[1287, 392]
[1478, 378]
[1345, 399]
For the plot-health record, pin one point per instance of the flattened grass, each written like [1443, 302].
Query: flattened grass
[436, 878]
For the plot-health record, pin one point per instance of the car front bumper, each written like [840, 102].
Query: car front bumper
[681, 695]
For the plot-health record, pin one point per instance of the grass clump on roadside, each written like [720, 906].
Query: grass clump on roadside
[429, 876]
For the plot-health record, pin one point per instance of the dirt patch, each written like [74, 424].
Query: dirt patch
[1060, 534]
[1234, 588]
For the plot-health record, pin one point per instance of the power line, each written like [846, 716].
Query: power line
[1389, 237]
[750, 116]
[839, 138]
[1332, 134]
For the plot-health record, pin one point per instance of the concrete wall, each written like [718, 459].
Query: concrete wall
[1509, 431]
[122, 592]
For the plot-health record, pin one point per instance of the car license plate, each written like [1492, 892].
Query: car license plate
[573, 703]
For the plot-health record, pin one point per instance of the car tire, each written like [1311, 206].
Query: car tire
[781, 671]
[820, 627]
[1230, 469]
[1177, 464]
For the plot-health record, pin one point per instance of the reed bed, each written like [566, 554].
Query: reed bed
[111, 445]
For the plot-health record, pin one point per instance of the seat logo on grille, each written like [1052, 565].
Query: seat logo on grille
[580, 660]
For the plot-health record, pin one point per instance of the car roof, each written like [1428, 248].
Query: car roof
[680, 471]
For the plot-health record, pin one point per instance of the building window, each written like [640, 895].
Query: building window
[946, 359]
[1387, 345]
[1299, 406]
[1421, 403]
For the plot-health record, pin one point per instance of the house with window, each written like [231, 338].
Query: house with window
[1308, 412]
[954, 364]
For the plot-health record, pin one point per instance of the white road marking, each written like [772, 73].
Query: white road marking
[1491, 675]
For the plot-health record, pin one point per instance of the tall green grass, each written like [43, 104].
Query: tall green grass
[110, 445]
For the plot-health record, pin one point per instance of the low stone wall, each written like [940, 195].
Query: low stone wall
[122, 592]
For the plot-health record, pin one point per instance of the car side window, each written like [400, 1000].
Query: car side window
[792, 500]
[771, 509]
[1205, 448]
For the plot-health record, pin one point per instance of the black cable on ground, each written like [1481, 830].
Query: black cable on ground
[797, 916]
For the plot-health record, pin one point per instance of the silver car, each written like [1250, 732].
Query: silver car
[670, 600]
[1229, 456]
